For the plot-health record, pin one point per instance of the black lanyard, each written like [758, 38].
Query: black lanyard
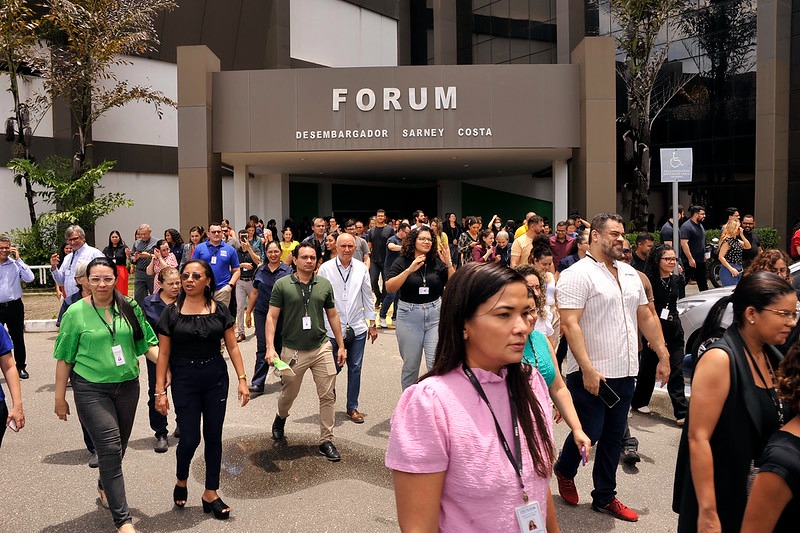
[349, 270]
[773, 396]
[423, 273]
[112, 332]
[515, 463]
[305, 296]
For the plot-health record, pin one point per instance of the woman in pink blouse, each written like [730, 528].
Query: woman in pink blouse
[162, 258]
[471, 443]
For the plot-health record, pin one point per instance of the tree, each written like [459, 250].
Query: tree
[649, 89]
[18, 40]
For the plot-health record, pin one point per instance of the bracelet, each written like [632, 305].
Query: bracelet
[243, 376]
[160, 393]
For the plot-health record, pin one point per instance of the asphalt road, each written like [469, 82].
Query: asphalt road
[46, 485]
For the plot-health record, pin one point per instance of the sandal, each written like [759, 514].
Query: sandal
[221, 511]
[102, 496]
[179, 495]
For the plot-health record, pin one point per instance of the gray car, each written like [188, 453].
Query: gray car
[694, 309]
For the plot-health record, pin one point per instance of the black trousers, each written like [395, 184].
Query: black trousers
[698, 273]
[12, 314]
[158, 422]
[645, 382]
[200, 391]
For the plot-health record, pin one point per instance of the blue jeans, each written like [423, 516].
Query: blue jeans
[417, 329]
[391, 298]
[108, 410]
[726, 278]
[606, 427]
[262, 368]
[355, 356]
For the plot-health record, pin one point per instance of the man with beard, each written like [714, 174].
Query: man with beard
[600, 298]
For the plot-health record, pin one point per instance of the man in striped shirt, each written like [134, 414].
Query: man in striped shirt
[603, 306]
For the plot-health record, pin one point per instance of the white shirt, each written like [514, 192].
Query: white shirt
[65, 275]
[352, 292]
[609, 321]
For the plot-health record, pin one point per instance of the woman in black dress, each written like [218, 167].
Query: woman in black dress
[190, 331]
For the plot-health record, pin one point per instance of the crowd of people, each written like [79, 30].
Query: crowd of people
[520, 325]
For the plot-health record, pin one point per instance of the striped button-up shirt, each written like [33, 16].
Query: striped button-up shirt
[609, 319]
[65, 274]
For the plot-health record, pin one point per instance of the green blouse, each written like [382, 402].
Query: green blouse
[84, 340]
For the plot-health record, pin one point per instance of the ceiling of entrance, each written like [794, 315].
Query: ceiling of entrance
[413, 165]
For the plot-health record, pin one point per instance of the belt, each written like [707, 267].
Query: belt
[6, 304]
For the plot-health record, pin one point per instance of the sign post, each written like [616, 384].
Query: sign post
[676, 167]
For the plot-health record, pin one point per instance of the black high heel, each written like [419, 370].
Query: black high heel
[221, 511]
[180, 494]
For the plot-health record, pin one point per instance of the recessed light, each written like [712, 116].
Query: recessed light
[466, 166]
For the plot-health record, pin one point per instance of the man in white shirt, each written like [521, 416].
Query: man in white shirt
[81, 253]
[352, 292]
[603, 306]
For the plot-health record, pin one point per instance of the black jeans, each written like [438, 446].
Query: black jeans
[12, 314]
[107, 410]
[645, 382]
[375, 272]
[698, 273]
[158, 422]
[200, 390]
[262, 368]
[142, 286]
[3, 418]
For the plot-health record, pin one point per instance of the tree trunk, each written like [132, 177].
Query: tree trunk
[20, 142]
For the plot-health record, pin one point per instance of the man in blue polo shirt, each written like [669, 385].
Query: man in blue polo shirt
[223, 260]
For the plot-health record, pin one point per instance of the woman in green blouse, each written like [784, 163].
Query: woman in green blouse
[100, 338]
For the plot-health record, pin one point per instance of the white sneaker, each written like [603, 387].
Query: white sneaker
[644, 410]
[383, 323]
[680, 422]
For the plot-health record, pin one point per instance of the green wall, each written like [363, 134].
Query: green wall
[486, 202]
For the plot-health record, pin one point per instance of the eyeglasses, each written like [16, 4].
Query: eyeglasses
[96, 280]
[626, 250]
[194, 275]
[786, 315]
[424, 239]
[77, 238]
[216, 231]
[669, 259]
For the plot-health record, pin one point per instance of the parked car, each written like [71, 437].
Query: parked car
[694, 309]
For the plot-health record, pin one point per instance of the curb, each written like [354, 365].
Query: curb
[41, 326]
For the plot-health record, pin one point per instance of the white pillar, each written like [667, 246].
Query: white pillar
[449, 200]
[241, 197]
[560, 191]
[276, 197]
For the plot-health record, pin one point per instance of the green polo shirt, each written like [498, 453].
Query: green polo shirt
[287, 295]
[84, 341]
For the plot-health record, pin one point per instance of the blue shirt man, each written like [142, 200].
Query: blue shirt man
[12, 313]
[223, 260]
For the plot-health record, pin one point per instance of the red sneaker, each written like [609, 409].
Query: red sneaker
[567, 490]
[616, 509]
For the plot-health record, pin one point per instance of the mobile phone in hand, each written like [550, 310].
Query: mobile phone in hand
[12, 424]
[607, 394]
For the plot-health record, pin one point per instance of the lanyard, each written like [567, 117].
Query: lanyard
[776, 400]
[349, 270]
[112, 332]
[423, 272]
[306, 296]
[515, 463]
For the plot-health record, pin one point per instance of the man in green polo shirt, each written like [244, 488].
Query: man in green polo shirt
[302, 298]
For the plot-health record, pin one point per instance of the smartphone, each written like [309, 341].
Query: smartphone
[12, 424]
[607, 394]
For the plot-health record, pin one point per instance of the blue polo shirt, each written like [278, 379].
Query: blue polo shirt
[221, 258]
[5, 348]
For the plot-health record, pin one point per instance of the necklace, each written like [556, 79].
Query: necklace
[771, 391]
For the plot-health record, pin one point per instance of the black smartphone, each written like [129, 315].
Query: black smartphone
[607, 394]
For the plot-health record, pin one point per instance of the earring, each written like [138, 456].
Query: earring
[752, 321]
[466, 337]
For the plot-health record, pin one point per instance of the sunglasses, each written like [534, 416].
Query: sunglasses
[194, 275]
[626, 250]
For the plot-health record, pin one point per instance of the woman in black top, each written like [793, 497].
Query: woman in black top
[176, 245]
[118, 252]
[418, 276]
[667, 287]
[190, 331]
[774, 503]
[453, 232]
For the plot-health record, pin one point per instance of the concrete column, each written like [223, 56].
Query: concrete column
[277, 197]
[278, 43]
[445, 34]
[325, 199]
[570, 27]
[241, 196]
[199, 168]
[560, 191]
[449, 200]
[773, 67]
[593, 186]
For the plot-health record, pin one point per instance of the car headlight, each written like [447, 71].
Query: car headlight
[687, 305]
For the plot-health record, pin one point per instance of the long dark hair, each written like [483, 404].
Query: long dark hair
[124, 305]
[651, 264]
[409, 245]
[471, 286]
[121, 242]
[177, 240]
[758, 290]
[209, 290]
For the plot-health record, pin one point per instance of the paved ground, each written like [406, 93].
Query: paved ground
[45, 484]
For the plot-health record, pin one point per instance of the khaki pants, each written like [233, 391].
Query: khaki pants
[323, 369]
[223, 295]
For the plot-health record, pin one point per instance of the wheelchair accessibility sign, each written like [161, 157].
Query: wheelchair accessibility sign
[676, 165]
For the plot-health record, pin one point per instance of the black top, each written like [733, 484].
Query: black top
[453, 232]
[735, 249]
[752, 252]
[391, 256]
[377, 237]
[637, 263]
[153, 307]
[194, 336]
[666, 292]
[782, 457]
[117, 254]
[432, 277]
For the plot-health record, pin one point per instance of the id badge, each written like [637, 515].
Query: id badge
[213, 259]
[529, 518]
[665, 314]
[119, 357]
[306, 322]
[424, 290]
[223, 253]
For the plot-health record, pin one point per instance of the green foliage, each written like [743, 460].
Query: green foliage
[768, 236]
[36, 244]
[712, 234]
